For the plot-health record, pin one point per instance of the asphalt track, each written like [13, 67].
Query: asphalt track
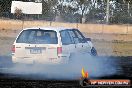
[124, 71]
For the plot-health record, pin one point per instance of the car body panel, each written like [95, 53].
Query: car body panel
[48, 53]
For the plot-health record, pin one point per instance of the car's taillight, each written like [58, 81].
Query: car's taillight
[13, 49]
[59, 50]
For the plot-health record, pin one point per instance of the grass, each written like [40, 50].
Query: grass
[113, 48]
[104, 48]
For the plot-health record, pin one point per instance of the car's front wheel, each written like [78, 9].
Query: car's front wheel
[93, 52]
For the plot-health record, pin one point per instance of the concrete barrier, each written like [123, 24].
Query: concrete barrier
[88, 28]
[115, 29]
[10, 24]
[28, 24]
[129, 30]
[68, 25]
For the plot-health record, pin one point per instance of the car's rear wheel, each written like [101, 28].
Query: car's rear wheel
[93, 52]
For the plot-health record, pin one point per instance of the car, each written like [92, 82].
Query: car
[49, 45]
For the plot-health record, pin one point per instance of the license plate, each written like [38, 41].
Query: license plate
[36, 51]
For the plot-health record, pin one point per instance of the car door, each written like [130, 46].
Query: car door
[68, 46]
[82, 44]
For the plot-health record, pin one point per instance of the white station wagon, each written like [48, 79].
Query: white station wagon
[49, 45]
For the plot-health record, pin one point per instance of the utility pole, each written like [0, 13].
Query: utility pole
[107, 11]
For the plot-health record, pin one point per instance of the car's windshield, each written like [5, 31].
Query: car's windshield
[38, 36]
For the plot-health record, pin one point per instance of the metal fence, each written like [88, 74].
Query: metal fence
[118, 14]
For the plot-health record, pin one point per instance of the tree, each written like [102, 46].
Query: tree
[96, 12]
[49, 9]
[67, 12]
[18, 13]
[122, 11]
[83, 6]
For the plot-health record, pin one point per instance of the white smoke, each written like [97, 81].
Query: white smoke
[96, 67]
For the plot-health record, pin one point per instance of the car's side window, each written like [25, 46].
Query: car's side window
[72, 35]
[80, 37]
[65, 37]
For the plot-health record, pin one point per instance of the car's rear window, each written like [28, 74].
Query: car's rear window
[38, 36]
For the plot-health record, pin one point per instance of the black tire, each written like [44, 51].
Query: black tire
[93, 52]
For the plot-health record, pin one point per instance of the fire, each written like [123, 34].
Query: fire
[84, 74]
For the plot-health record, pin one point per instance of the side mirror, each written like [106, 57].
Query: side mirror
[88, 39]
